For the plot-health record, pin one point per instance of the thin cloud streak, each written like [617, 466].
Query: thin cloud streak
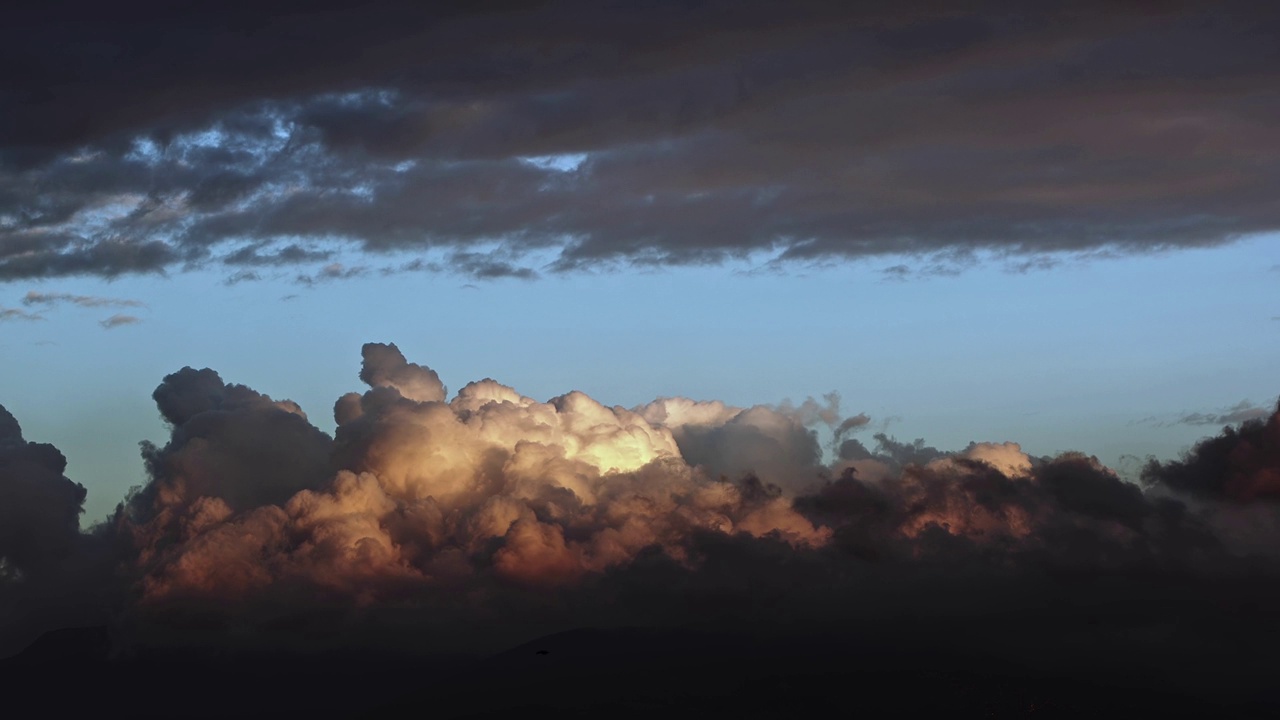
[119, 320]
[86, 301]
[1238, 413]
[1242, 411]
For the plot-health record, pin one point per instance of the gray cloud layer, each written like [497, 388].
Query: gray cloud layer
[502, 139]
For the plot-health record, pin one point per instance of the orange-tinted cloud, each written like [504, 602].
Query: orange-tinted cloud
[489, 514]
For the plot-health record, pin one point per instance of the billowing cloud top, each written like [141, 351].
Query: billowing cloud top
[504, 139]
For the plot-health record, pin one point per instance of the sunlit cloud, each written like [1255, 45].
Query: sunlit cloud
[423, 497]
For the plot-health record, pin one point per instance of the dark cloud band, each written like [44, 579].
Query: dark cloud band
[516, 139]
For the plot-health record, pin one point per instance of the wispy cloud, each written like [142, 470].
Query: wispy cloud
[241, 276]
[1242, 411]
[18, 314]
[33, 298]
[119, 320]
[332, 271]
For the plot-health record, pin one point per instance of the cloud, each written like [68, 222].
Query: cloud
[34, 298]
[39, 506]
[1240, 465]
[517, 141]
[86, 301]
[50, 574]
[1240, 412]
[416, 499]
[119, 320]
[774, 445]
[332, 271]
[241, 276]
[385, 366]
[431, 522]
[229, 443]
[289, 255]
[480, 266]
[18, 314]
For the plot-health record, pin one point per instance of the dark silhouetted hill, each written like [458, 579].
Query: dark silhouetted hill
[618, 673]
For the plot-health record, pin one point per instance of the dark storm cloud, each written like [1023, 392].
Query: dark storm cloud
[1241, 465]
[89, 256]
[39, 506]
[51, 575]
[231, 443]
[573, 135]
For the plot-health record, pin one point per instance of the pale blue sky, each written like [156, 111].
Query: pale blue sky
[1079, 356]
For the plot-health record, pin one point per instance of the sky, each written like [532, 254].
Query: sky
[1120, 358]
[385, 305]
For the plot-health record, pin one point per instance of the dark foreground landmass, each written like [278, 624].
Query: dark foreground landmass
[605, 674]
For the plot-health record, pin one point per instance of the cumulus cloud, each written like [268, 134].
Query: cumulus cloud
[1240, 465]
[385, 366]
[491, 494]
[482, 518]
[50, 574]
[775, 445]
[39, 506]
[418, 494]
[515, 141]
